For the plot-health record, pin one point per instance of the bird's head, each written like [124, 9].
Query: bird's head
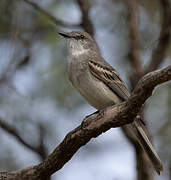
[79, 42]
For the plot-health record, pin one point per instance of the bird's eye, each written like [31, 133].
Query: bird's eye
[82, 36]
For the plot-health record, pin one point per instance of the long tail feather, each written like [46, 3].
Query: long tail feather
[148, 147]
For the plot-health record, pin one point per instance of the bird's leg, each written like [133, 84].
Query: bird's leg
[84, 122]
[100, 114]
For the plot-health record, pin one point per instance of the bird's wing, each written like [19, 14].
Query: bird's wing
[108, 75]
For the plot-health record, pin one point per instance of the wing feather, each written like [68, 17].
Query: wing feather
[109, 76]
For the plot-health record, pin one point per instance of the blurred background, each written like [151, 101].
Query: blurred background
[38, 105]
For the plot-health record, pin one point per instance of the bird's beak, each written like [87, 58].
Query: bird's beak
[65, 34]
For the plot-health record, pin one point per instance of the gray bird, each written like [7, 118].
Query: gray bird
[100, 84]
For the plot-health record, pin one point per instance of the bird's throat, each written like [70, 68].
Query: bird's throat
[77, 49]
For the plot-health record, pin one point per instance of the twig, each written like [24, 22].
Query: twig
[86, 22]
[92, 126]
[160, 51]
[40, 150]
[50, 16]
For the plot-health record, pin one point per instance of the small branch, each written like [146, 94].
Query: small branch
[134, 38]
[86, 22]
[40, 150]
[164, 38]
[41, 147]
[50, 16]
[92, 126]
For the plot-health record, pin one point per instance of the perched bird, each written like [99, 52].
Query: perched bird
[100, 84]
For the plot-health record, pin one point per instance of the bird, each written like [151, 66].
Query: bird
[101, 85]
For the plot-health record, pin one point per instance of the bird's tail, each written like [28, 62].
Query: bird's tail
[147, 146]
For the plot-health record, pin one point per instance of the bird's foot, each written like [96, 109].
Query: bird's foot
[86, 120]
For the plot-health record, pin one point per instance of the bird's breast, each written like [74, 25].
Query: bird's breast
[93, 90]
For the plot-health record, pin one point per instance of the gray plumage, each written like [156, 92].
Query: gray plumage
[99, 83]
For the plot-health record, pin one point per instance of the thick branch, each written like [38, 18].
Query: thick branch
[40, 150]
[92, 126]
[86, 22]
[50, 16]
[160, 51]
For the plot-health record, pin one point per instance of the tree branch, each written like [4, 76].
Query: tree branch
[40, 149]
[50, 16]
[92, 126]
[86, 22]
[134, 40]
[160, 51]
